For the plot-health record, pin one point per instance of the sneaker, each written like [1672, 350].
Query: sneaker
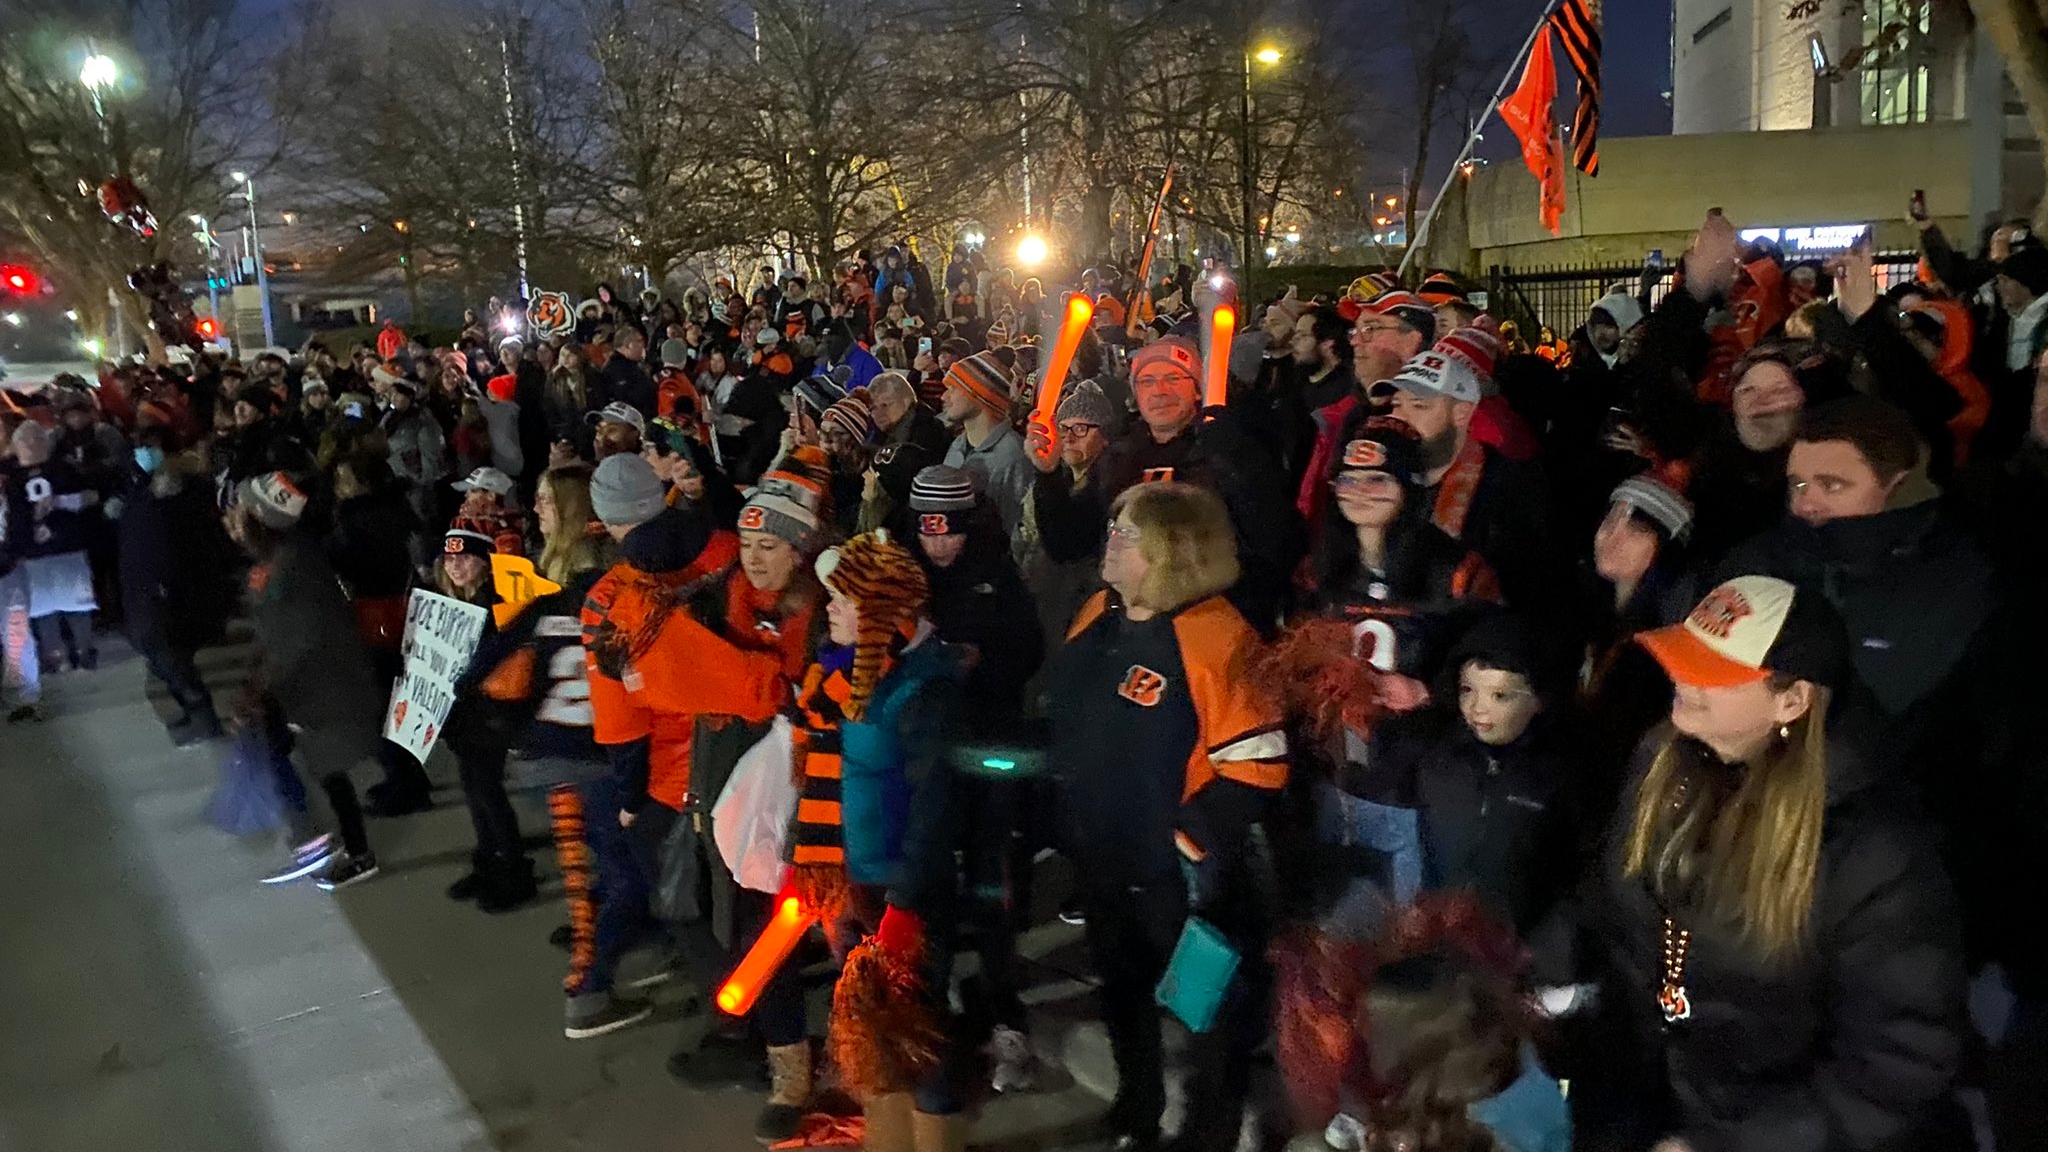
[563, 937]
[307, 859]
[648, 967]
[620, 1013]
[721, 1062]
[346, 869]
[512, 885]
[26, 714]
[193, 733]
[1016, 1065]
[1073, 915]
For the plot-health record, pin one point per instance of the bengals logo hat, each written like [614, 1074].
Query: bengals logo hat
[1378, 444]
[1748, 629]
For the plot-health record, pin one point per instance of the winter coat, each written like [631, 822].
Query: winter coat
[1166, 751]
[1502, 822]
[896, 788]
[371, 543]
[1851, 1047]
[530, 390]
[503, 420]
[627, 382]
[1409, 616]
[419, 452]
[310, 655]
[177, 586]
[981, 602]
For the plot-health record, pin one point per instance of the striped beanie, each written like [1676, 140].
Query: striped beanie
[886, 584]
[790, 501]
[1479, 349]
[1439, 288]
[939, 494]
[1657, 499]
[984, 378]
[853, 415]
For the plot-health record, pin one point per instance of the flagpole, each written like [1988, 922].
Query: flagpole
[1514, 71]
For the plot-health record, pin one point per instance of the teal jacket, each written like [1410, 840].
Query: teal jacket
[896, 788]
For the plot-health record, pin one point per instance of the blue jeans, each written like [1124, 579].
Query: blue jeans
[1346, 822]
[625, 862]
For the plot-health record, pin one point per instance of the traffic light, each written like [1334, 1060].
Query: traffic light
[20, 279]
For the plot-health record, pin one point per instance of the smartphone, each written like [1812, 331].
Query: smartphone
[1917, 207]
[924, 346]
[1655, 259]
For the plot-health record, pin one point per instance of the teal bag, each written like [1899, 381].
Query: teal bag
[1198, 976]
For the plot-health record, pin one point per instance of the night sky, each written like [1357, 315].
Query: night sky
[1635, 75]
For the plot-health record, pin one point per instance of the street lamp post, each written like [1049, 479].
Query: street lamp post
[98, 73]
[1249, 235]
[256, 251]
[208, 244]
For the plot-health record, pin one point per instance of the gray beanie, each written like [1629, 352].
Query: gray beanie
[624, 491]
[1658, 500]
[943, 488]
[1084, 400]
[674, 353]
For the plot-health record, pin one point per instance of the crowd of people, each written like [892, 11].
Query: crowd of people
[1645, 715]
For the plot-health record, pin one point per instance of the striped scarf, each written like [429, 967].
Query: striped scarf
[819, 851]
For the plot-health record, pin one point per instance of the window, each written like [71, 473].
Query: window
[1895, 71]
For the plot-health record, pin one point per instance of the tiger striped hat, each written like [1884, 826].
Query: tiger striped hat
[886, 584]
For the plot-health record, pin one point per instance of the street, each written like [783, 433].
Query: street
[166, 1001]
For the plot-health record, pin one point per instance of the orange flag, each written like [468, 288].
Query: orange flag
[1529, 114]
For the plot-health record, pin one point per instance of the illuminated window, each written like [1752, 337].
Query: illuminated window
[1895, 81]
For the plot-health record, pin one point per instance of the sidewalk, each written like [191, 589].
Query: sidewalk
[165, 1001]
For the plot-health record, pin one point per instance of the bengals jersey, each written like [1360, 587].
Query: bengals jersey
[535, 664]
[1166, 751]
[1407, 619]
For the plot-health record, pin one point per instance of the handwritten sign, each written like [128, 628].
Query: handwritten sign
[440, 637]
[517, 584]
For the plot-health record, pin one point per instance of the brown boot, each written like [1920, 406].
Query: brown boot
[888, 1120]
[929, 1133]
[789, 1073]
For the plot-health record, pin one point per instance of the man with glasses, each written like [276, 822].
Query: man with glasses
[1176, 441]
[1391, 329]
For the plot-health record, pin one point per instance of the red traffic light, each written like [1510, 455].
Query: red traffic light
[20, 278]
[208, 327]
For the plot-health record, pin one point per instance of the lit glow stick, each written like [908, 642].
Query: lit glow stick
[1222, 328]
[737, 995]
[1080, 310]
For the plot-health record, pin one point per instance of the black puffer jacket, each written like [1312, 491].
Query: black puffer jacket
[981, 601]
[177, 587]
[1853, 1047]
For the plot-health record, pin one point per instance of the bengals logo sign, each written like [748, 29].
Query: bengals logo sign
[548, 314]
[1142, 686]
[753, 519]
[934, 524]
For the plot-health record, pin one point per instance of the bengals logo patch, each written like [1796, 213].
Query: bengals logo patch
[1365, 454]
[1142, 686]
[934, 524]
[751, 519]
[1156, 476]
[1720, 612]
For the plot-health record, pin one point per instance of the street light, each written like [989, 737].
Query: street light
[1269, 56]
[99, 71]
[256, 250]
[1031, 251]
[208, 244]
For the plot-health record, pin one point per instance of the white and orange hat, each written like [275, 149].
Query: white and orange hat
[1746, 630]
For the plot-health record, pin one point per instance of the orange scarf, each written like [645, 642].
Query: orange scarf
[1459, 486]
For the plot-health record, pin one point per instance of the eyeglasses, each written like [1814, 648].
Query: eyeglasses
[1078, 428]
[1371, 330]
[1124, 535]
[1362, 479]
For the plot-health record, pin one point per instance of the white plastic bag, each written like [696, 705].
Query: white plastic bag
[751, 820]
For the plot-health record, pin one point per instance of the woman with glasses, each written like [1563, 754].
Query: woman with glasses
[1167, 755]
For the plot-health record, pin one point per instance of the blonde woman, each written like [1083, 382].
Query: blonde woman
[1779, 956]
[1168, 755]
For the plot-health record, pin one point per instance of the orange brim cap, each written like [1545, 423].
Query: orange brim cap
[1687, 660]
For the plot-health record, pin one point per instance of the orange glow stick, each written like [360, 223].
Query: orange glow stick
[737, 995]
[1080, 310]
[1222, 329]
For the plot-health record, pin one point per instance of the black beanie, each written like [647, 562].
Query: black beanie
[2029, 267]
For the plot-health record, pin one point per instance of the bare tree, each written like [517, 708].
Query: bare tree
[180, 107]
[1451, 72]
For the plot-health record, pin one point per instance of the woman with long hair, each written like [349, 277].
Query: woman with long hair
[1778, 949]
[1168, 755]
[527, 680]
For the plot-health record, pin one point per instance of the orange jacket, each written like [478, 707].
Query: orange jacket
[674, 666]
[1953, 363]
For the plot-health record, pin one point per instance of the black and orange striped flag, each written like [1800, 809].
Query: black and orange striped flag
[1578, 28]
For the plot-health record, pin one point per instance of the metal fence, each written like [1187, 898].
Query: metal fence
[1560, 297]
